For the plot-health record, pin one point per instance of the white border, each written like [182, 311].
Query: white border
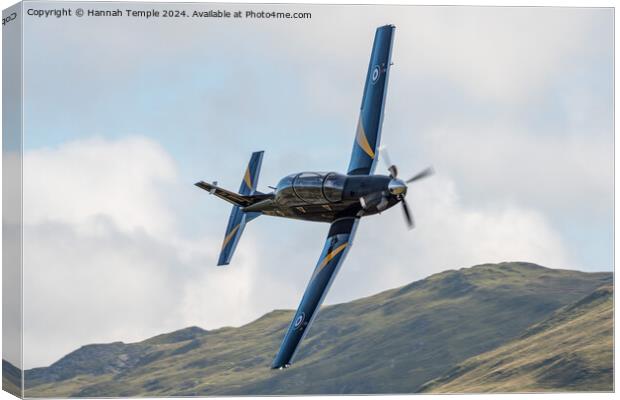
[555, 3]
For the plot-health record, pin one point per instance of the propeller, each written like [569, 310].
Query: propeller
[388, 163]
[421, 175]
[407, 214]
[394, 175]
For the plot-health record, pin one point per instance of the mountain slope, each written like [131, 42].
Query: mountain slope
[571, 350]
[11, 379]
[392, 342]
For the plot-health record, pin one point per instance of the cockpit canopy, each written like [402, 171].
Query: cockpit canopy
[310, 187]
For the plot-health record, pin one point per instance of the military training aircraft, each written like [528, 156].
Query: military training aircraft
[339, 199]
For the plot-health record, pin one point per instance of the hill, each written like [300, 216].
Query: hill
[392, 342]
[571, 350]
[11, 379]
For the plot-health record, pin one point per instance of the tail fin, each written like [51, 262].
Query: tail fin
[238, 218]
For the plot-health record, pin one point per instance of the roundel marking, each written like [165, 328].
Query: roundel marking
[299, 320]
[375, 74]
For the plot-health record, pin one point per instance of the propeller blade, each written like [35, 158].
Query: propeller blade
[408, 216]
[393, 171]
[385, 156]
[388, 163]
[423, 174]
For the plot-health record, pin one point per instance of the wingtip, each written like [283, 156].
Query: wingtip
[223, 260]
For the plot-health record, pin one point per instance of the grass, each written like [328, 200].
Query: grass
[572, 350]
[393, 342]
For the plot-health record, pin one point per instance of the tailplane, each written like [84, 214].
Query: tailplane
[247, 195]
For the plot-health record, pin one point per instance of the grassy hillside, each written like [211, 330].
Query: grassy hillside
[11, 379]
[392, 342]
[571, 350]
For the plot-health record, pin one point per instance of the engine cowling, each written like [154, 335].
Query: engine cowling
[377, 200]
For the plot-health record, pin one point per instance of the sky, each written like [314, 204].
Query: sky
[511, 106]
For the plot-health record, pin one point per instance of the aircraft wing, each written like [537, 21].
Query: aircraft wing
[368, 134]
[339, 240]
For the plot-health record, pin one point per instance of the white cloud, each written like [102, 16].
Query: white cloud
[121, 180]
[11, 257]
[505, 54]
[494, 161]
[448, 235]
[104, 259]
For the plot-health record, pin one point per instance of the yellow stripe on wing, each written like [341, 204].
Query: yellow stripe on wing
[361, 139]
[328, 257]
[229, 236]
[248, 179]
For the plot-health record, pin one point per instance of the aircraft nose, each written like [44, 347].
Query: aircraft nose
[397, 187]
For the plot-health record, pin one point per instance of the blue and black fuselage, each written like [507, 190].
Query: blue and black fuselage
[326, 197]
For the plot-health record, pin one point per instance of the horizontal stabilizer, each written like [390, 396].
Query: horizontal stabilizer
[247, 196]
[231, 197]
